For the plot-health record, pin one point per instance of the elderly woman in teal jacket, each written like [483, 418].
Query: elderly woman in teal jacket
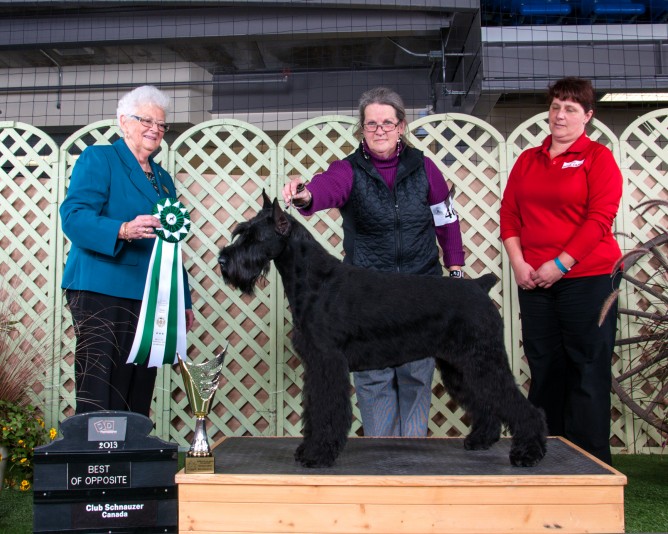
[107, 217]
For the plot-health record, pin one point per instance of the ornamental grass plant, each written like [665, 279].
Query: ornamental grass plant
[22, 363]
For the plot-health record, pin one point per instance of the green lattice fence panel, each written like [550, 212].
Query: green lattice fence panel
[531, 133]
[304, 151]
[103, 132]
[644, 157]
[221, 168]
[28, 190]
[470, 154]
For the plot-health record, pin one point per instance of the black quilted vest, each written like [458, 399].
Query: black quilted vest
[390, 230]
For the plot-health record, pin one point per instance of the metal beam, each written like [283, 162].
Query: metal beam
[615, 57]
[232, 23]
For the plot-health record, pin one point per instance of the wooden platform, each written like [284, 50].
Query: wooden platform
[403, 485]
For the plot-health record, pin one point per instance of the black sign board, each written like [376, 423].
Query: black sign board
[106, 474]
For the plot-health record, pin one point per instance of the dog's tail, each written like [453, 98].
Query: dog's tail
[487, 281]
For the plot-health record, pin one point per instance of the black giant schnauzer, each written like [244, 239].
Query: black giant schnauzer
[351, 319]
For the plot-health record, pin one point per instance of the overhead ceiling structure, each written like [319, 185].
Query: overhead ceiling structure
[273, 55]
[225, 58]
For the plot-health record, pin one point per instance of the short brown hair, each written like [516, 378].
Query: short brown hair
[385, 96]
[576, 89]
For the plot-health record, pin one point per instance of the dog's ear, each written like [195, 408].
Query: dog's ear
[282, 224]
[266, 201]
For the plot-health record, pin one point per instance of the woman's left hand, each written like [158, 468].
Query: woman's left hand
[547, 274]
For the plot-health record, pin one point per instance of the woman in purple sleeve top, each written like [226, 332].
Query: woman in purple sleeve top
[395, 206]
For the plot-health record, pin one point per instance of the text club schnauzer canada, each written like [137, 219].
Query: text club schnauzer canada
[350, 319]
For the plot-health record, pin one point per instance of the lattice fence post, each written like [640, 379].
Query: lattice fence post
[221, 167]
[28, 253]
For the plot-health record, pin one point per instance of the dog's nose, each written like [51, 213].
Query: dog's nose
[222, 262]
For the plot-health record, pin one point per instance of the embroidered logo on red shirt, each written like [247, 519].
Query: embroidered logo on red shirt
[569, 164]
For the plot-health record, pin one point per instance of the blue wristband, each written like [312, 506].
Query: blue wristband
[561, 266]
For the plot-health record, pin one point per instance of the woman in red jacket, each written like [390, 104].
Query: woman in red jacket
[556, 225]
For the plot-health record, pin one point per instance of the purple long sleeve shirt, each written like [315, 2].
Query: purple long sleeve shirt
[332, 188]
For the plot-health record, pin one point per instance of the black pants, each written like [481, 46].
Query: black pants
[570, 358]
[105, 328]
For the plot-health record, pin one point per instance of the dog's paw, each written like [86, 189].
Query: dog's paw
[299, 452]
[474, 445]
[481, 441]
[312, 463]
[527, 454]
[312, 459]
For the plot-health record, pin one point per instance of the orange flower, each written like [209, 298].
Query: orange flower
[53, 433]
[25, 485]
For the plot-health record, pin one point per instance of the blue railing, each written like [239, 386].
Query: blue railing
[524, 12]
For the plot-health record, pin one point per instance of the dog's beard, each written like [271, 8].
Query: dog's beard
[240, 280]
[243, 266]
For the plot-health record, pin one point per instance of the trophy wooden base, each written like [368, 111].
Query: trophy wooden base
[199, 465]
[401, 486]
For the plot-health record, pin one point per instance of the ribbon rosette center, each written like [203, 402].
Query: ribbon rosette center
[174, 219]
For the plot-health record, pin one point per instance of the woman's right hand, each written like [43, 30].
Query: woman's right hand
[290, 192]
[523, 271]
[524, 275]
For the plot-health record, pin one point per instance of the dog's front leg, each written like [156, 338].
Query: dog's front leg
[327, 411]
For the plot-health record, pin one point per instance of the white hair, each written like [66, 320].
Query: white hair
[141, 96]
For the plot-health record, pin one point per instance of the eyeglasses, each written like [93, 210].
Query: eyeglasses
[386, 126]
[148, 123]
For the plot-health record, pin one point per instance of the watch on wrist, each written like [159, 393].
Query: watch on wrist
[456, 274]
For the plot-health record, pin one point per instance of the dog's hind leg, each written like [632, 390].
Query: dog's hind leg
[327, 411]
[528, 428]
[485, 425]
[525, 422]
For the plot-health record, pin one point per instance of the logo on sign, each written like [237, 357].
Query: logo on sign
[107, 428]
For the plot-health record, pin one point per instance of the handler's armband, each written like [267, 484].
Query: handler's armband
[443, 212]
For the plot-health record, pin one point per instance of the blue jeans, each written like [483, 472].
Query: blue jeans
[395, 401]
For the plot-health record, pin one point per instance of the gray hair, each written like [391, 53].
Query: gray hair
[141, 96]
[384, 96]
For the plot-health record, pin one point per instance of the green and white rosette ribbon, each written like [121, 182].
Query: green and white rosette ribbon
[161, 331]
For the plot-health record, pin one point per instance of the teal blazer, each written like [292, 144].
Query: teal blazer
[108, 187]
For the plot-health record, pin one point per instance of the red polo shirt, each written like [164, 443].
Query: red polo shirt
[564, 204]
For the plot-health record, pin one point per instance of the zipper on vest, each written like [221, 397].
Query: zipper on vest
[397, 233]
